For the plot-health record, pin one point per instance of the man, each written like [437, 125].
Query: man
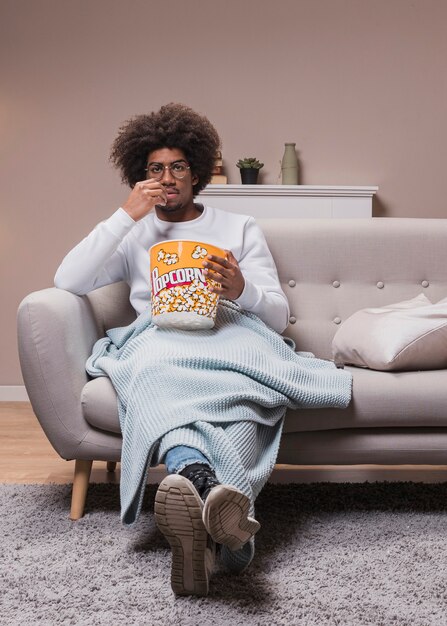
[167, 158]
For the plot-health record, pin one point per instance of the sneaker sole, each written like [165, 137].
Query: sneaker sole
[225, 516]
[178, 513]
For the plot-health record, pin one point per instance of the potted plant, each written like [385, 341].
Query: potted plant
[249, 167]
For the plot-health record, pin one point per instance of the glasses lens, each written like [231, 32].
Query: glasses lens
[179, 170]
[155, 171]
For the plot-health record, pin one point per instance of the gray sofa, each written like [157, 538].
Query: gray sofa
[329, 269]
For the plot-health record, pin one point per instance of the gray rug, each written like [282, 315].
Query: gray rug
[327, 554]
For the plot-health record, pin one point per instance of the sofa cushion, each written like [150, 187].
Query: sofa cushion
[380, 399]
[409, 335]
[99, 405]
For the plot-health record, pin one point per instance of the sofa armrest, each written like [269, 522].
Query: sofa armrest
[56, 332]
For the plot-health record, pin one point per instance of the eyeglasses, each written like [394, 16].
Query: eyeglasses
[178, 169]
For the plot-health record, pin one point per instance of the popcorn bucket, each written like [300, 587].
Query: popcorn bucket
[180, 290]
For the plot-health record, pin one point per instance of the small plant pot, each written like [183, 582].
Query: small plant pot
[249, 175]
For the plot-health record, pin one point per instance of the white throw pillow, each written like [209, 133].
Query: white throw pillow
[409, 335]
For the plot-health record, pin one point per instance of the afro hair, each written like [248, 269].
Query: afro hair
[173, 126]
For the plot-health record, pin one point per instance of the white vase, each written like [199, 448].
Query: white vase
[289, 165]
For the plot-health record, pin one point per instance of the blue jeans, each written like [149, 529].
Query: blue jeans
[176, 459]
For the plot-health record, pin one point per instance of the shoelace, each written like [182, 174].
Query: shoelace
[203, 480]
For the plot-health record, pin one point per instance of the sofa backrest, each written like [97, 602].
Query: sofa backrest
[330, 268]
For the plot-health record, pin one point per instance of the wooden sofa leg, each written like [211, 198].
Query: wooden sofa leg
[111, 466]
[80, 485]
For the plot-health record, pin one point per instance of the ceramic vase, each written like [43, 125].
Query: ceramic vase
[289, 165]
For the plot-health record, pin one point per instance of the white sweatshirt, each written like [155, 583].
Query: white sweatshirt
[117, 249]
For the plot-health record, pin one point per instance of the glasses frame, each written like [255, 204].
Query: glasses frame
[169, 167]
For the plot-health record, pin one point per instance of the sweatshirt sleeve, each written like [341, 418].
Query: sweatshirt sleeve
[98, 259]
[262, 293]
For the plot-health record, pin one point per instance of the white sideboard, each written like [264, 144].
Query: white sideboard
[303, 201]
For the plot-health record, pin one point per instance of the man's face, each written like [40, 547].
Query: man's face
[180, 194]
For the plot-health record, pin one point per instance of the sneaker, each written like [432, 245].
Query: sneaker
[225, 514]
[178, 513]
[225, 517]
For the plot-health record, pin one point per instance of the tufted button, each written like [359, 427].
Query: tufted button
[292, 319]
[292, 283]
[425, 283]
[336, 284]
[380, 285]
[337, 320]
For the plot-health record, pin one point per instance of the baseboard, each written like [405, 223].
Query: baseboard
[13, 393]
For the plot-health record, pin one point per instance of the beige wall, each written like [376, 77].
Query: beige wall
[359, 85]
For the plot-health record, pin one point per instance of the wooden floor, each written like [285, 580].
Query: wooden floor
[27, 457]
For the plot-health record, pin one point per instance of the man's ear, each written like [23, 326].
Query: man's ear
[194, 179]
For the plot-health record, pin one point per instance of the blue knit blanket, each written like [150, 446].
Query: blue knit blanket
[223, 391]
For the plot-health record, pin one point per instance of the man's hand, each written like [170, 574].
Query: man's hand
[227, 273]
[144, 197]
